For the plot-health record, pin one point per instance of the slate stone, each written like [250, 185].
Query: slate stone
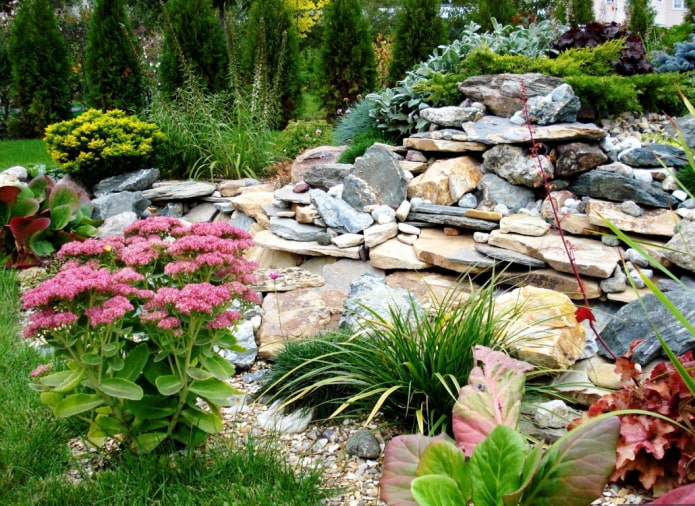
[611, 186]
[505, 255]
[132, 181]
[363, 444]
[450, 116]
[638, 319]
[180, 190]
[291, 230]
[680, 248]
[686, 126]
[327, 175]
[496, 130]
[653, 155]
[493, 190]
[559, 106]
[288, 194]
[376, 178]
[338, 214]
[514, 164]
[576, 157]
[117, 203]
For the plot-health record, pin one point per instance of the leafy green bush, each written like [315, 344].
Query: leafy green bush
[99, 144]
[301, 135]
[406, 369]
[359, 144]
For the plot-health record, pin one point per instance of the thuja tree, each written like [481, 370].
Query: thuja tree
[271, 59]
[419, 30]
[346, 57]
[5, 82]
[194, 42]
[114, 76]
[640, 17]
[40, 69]
[502, 10]
[575, 12]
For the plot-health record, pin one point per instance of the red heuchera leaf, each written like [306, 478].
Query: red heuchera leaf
[680, 495]
[584, 313]
[650, 449]
[627, 369]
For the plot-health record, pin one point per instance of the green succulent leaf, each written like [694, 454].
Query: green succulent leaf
[169, 384]
[208, 422]
[90, 358]
[152, 407]
[198, 374]
[218, 366]
[121, 388]
[214, 390]
[60, 217]
[63, 381]
[77, 403]
[134, 362]
[145, 443]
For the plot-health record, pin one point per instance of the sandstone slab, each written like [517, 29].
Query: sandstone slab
[445, 181]
[449, 252]
[552, 280]
[497, 130]
[252, 204]
[284, 279]
[524, 224]
[267, 239]
[660, 222]
[180, 190]
[394, 254]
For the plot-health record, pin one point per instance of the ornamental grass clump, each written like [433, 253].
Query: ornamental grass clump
[138, 320]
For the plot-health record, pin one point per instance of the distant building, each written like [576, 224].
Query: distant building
[668, 12]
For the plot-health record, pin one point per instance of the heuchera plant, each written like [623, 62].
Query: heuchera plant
[657, 452]
[36, 219]
[502, 468]
[138, 319]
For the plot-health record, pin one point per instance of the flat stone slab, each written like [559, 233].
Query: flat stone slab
[495, 130]
[660, 222]
[456, 253]
[505, 255]
[286, 278]
[592, 258]
[267, 239]
[443, 145]
[452, 221]
[393, 254]
[180, 190]
[553, 280]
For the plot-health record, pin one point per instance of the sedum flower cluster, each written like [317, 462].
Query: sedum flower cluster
[139, 318]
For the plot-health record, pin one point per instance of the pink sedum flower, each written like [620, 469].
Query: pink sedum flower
[225, 320]
[109, 311]
[48, 319]
[159, 226]
[41, 370]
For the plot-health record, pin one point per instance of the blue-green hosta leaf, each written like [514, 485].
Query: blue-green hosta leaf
[121, 388]
[496, 466]
[437, 490]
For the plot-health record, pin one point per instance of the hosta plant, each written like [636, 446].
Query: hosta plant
[489, 463]
[36, 219]
[138, 319]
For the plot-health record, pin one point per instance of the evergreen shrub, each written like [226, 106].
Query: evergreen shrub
[97, 144]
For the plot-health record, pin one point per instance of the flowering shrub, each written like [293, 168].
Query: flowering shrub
[138, 319]
[99, 144]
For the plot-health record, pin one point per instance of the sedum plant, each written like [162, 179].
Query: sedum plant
[36, 219]
[488, 462]
[100, 144]
[138, 319]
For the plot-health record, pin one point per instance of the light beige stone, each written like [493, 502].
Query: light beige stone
[348, 240]
[578, 224]
[412, 167]
[306, 214]
[553, 280]
[592, 258]
[542, 328]
[408, 239]
[660, 222]
[377, 234]
[232, 188]
[286, 278]
[443, 145]
[394, 254]
[436, 248]
[251, 204]
[431, 289]
[445, 181]
[524, 224]
[482, 214]
[267, 239]
[602, 373]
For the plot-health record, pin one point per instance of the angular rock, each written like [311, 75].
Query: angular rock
[287, 194]
[376, 178]
[348, 240]
[496, 130]
[552, 280]
[314, 156]
[507, 256]
[338, 214]
[286, 279]
[445, 181]
[681, 249]
[542, 328]
[591, 257]
[653, 221]
[394, 254]
[639, 319]
[115, 225]
[251, 204]
[363, 444]
[493, 190]
[267, 239]
[203, 212]
[654, 155]
[559, 106]
[138, 180]
[450, 116]
[306, 214]
[295, 315]
[113, 204]
[455, 253]
[246, 338]
[514, 164]
[339, 275]
[504, 94]
[291, 230]
[611, 186]
[232, 188]
[327, 175]
[524, 224]
[180, 190]
[576, 157]
[377, 234]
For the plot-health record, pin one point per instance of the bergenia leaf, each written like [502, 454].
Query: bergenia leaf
[401, 459]
[436, 490]
[492, 398]
[575, 468]
[63, 195]
[496, 466]
[441, 457]
[60, 217]
[8, 194]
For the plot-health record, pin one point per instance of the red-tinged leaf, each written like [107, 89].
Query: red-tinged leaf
[634, 344]
[8, 194]
[627, 369]
[680, 495]
[584, 313]
[492, 398]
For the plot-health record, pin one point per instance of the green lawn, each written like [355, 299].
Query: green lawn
[35, 459]
[24, 153]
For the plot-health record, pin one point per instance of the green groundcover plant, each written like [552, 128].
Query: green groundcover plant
[137, 319]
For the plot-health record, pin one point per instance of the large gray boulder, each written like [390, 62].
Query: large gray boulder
[605, 185]
[376, 178]
[112, 204]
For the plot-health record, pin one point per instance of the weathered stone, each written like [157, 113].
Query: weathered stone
[446, 181]
[494, 190]
[408, 239]
[338, 214]
[469, 200]
[348, 240]
[291, 230]
[640, 320]
[443, 145]
[504, 94]
[288, 194]
[138, 180]
[578, 224]
[542, 328]
[554, 414]
[394, 254]
[295, 315]
[514, 164]
[327, 175]
[306, 214]
[653, 221]
[436, 248]
[232, 188]
[112, 204]
[524, 224]
[203, 212]
[370, 297]
[432, 289]
[408, 229]
[576, 157]
[616, 283]
[340, 274]
[403, 210]
[507, 256]
[482, 214]
[681, 249]
[363, 444]
[559, 106]
[314, 156]
[115, 225]
[275, 419]
[654, 155]
[267, 239]
[376, 178]
[496, 130]
[376, 234]
[245, 335]
[173, 209]
[285, 279]
[591, 257]
[413, 155]
[452, 220]
[450, 116]
[383, 214]
[180, 190]
[412, 167]
[552, 280]
[611, 186]
[251, 204]
[686, 127]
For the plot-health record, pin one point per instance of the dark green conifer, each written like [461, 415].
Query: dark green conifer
[40, 69]
[419, 29]
[575, 12]
[502, 10]
[641, 17]
[113, 73]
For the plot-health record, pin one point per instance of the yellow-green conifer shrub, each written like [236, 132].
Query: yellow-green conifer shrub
[100, 144]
